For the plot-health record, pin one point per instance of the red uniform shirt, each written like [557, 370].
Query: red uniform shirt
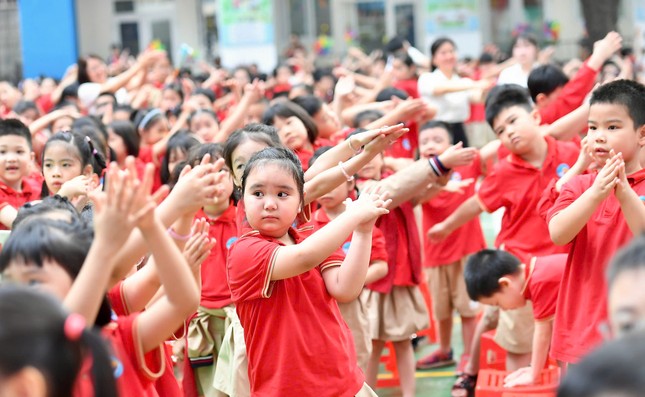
[517, 186]
[305, 155]
[572, 95]
[296, 339]
[582, 303]
[145, 155]
[467, 239]
[410, 86]
[378, 252]
[215, 291]
[135, 372]
[406, 146]
[16, 199]
[166, 384]
[543, 277]
[302, 223]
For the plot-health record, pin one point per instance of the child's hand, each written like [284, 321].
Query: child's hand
[457, 155]
[379, 138]
[368, 207]
[607, 178]
[198, 186]
[521, 377]
[438, 232]
[622, 187]
[585, 157]
[199, 245]
[78, 186]
[458, 186]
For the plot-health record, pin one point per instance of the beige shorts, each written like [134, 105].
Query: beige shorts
[448, 291]
[395, 316]
[479, 134]
[355, 315]
[514, 328]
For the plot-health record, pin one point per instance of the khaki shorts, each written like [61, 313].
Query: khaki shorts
[514, 328]
[448, 291]
[479, 133]
[355, 315]
[397, 315]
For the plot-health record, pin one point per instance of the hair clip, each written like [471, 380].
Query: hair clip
[74, 327]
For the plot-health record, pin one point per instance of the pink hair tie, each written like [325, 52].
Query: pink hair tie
[74, 327]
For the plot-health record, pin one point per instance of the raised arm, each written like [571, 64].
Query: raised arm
[467, 211]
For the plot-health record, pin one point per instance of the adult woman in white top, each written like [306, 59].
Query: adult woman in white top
[449, 93]
[93, 77]
[525, 52]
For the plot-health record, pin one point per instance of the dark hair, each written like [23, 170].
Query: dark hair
[545, 79]
[254, 132]
[526, 37]
[311, 103]
[93, 122]
[207, 92]
[125, 108]
[282, 157]
[15, 127]
[629, 258]
[70, 91]
[504, 96]
[370, 114]
[145, 118]
[627, 93]
[23, 106]
[615, 368]
[394, 45]
[84, 150]
[484, 269]
[83, 76]
[176, 88]
[32, 334]
[434, 47]
[288, 109]
[405, 58]
[199, 112]
[182, 141]
[438, 124]
[387, 93]
[127, 132]
[30, 211]
[197, 153]
[319, 73]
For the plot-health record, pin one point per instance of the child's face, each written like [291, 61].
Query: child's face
[525, 52]
[627, 302]
[373, 169]
[50, 278]
[155, 132]
[401, 71]
[241, 155]
[292, 132]
[271, 200]
[611, 127]
[509, 296]
[201, 101]
[433, 142]
[28, 116]
[517, 128]
[15, 156]
[60, 164]
[62, 124]
[326, 121]
[169, 100]
[254, 113]
[175, 156]
[332, 199]
[204, 126]
[116, 143]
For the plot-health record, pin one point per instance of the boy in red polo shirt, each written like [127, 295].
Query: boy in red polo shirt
[516, 184]
[498, 278]
[16, 156]
[598, 214]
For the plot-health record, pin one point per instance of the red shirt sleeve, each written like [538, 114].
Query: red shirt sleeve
[570, 193]
[544, 285]
[571, 96]
[117, 300]
[379, 250]
[491, 191]
[249, 268]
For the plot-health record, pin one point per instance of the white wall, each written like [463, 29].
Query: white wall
[94, 26]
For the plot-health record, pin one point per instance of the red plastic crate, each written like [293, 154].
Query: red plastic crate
[389, 359]
[490, 383]
[492, 355]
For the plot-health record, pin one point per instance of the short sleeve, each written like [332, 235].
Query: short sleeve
[249, 267]
[379, 249]
[88, 92]
[335, 259]
[569, 193]
[148, 366]
[548, 198]
[117, 300]
[491, 192]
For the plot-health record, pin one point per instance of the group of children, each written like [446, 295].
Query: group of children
[273, 237]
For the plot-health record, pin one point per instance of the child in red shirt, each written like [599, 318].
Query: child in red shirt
[285, 289]
[497, 278]
[354, 313]
[598, 213]
[15, 158]
[444, 260]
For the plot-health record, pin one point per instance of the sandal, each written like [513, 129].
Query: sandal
[464, 386]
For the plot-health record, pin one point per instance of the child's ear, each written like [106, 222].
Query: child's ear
[539, 99]
[87, 170]
[535, 114]
[641, 135]
[95, 181]
[504, 282]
